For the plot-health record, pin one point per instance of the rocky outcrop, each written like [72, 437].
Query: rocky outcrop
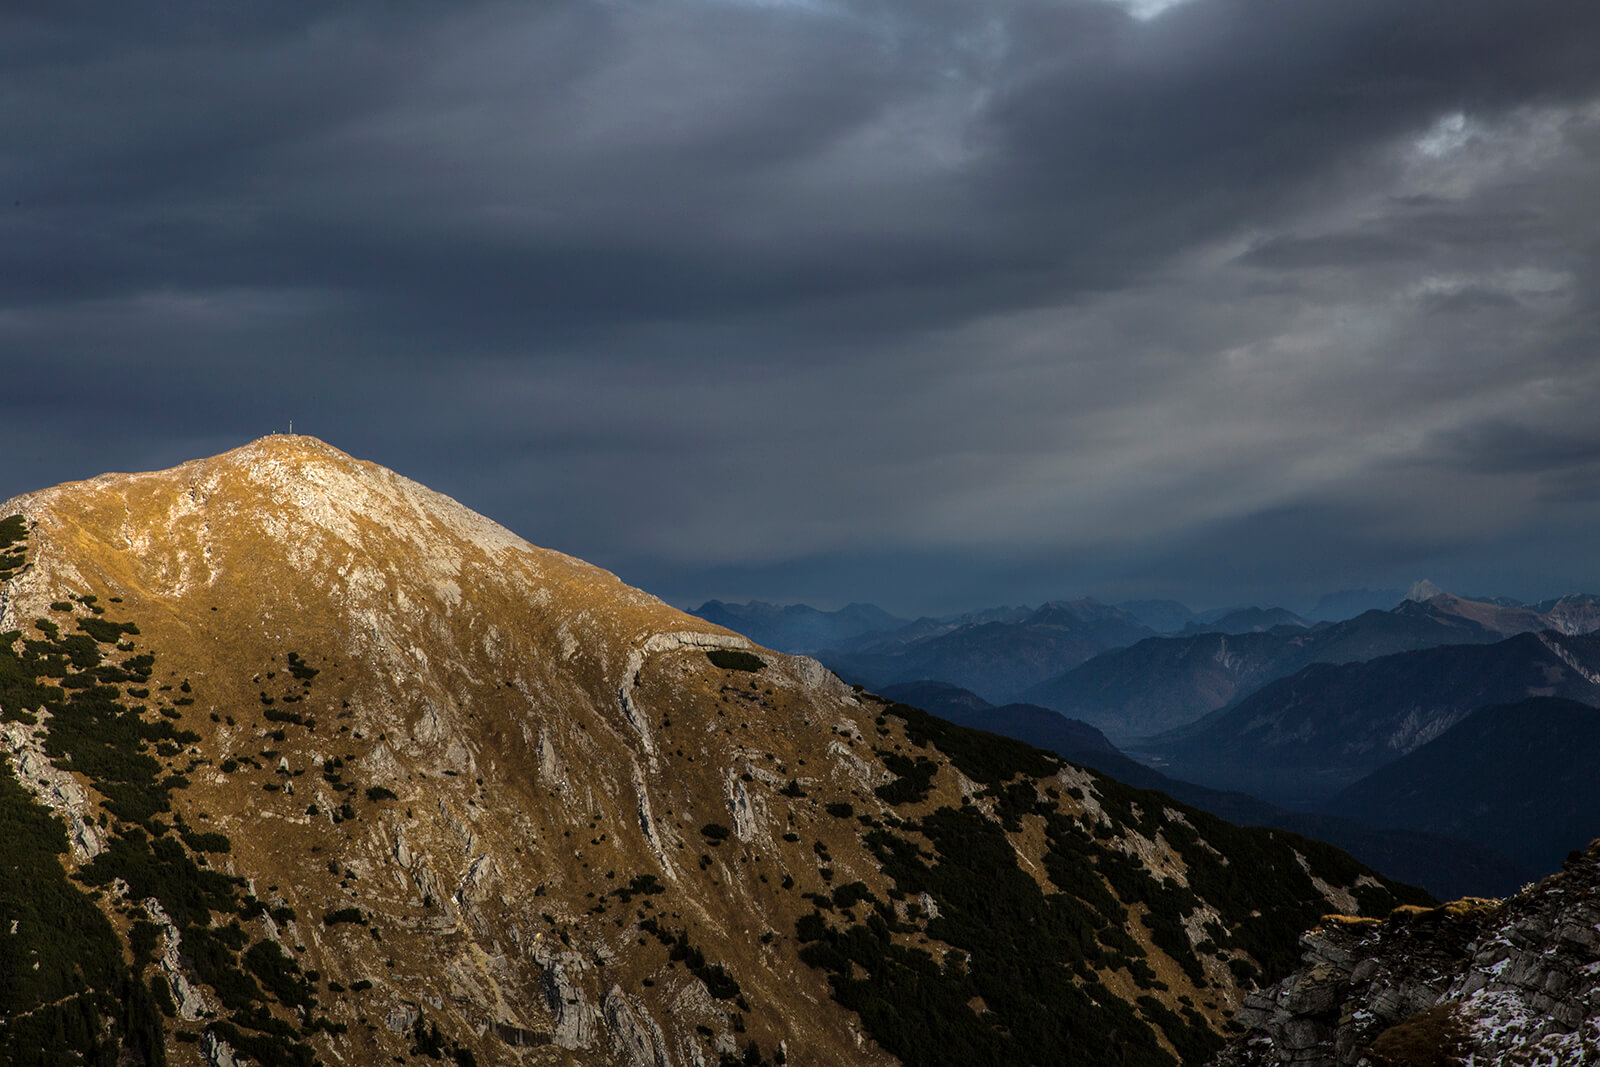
[218, 1053]
[187, 998]
[636, 1038]
[576, 1020]
[657, 643]
[53, 787]
[1475, 982]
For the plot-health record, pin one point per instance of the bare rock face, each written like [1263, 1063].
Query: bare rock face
[1474, 982]
[636, 1038]
[217, 1052]
[576, 1020]
[56, 789]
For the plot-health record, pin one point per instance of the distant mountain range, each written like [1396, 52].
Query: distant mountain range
[1579, 614]
[1164, 682]
[1302, 738]
[1162, 616]
[999, 652]
[1348, 603]
[1140, 668]
[801, 628]
[1248, 621]
[998, 659]
[1167, 682]
[798, 628]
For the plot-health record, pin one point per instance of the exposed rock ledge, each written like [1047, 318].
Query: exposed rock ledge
[1474, 983]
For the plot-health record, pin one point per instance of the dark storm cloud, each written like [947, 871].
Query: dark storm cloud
[1425, 219]
[1471, 299]
[356, 152]
[1333, 250]
[1510, 448]
[1038, 286]
[1240, 100]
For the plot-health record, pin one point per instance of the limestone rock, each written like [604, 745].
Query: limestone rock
[1491, 981]
[577, 1021]
[636, 1039]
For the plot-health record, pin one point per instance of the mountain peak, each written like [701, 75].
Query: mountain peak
[332, 748]
[1423, 590]
[279, 530]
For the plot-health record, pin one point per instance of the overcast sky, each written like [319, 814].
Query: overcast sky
[931, 303]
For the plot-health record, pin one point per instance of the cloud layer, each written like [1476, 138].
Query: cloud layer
[935, 304]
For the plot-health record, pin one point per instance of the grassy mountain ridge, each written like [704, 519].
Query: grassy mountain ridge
[348, 773]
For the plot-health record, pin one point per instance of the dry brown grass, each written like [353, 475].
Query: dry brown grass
[1431, 1038]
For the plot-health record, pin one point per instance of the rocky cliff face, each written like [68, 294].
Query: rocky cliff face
[1575, 614]
[308, 763]
[1476, 982]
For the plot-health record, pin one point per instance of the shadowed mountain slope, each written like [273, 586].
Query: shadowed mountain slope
[1516, 777]
[1038, 726]
[1304, 737]
[1445, 862]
